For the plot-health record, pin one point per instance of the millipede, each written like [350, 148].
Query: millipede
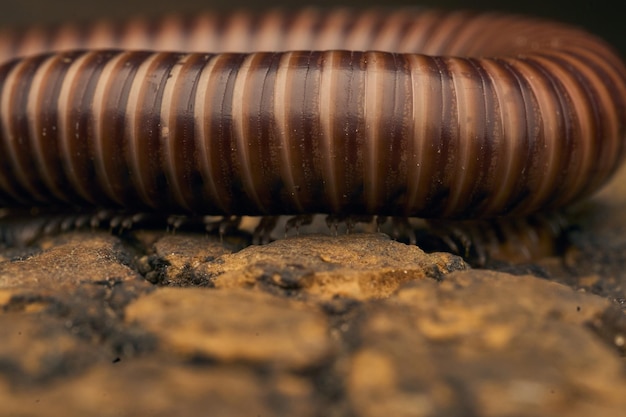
[402, 113]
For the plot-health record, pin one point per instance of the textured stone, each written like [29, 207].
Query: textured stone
[36, 348]
[69, 260]
[234, 326]
[487, 344]
[358, 266]
[161, 389]
[175, 256]
[61, 307]
[310, 325]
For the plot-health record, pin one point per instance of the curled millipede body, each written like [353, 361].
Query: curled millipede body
[400, 113]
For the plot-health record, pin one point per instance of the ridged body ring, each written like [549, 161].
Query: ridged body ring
[404, 113]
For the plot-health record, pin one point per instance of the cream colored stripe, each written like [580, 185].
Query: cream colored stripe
[33, 42]
[269, 35]
[360, 35]
[105, 178]
[66, 38]
[509, 140]
[241, 117]
[169, 36]
[327, 106]
[283, 128]
[612, 126]
[579, 166]
[330, 35]
[203, 118]
[389, 33]
[418, 174]
[202, 37]
[300, 34]
[462, 88]
[373, 108]
[168, 142]
[135, 35]
[38, 135]
[236, 36]
[132, 131]
[548, 114]
[67, 140]
[101, 36]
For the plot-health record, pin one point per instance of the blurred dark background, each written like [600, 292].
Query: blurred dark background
[600, 16]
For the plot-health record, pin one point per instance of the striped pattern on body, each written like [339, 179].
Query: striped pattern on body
[403, 113]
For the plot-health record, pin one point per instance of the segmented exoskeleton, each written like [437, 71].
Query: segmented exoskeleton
[400, 113]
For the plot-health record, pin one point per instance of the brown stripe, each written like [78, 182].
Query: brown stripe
[530, 114]
[114, 173]
[182, 126]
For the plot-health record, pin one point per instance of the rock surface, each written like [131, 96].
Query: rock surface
[161, 324]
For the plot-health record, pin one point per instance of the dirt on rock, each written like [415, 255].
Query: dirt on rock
[155, 323]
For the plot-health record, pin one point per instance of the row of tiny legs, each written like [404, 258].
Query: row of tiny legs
[478, 241]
